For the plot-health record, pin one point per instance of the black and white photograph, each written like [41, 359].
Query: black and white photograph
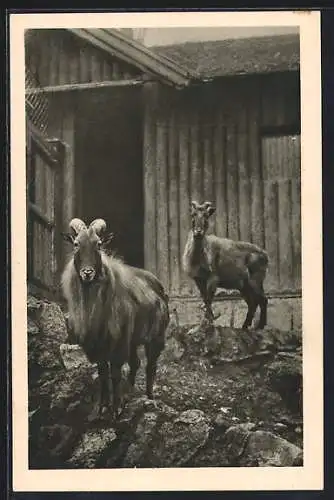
[166, 216]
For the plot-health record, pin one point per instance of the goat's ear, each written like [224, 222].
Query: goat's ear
[193, 206]
[68, 237]
[209, 208]
[107, 238]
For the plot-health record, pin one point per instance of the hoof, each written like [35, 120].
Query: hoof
[125, 371]
[104, 411]
[99, 413]
[117, 413]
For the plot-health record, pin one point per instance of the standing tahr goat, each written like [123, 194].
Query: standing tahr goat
[113, 308]
[214, 262]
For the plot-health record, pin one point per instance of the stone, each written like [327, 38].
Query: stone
[285, 377]
[73, 356]
[179, 442]
[268, 450]
[191, 417]
[64, 390]
[279, 426]
[173, 349]
[235, 441]
[93, 444]
[299, 460]
[33, 328]
[139, 451]
[34, 307]
[53, 445]
[52, 322]
[222, 422]
[44, 353]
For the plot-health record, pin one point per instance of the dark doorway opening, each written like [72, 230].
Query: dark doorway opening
[109, 169]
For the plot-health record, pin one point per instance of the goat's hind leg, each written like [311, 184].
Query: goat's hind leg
[252, 303]
[253, 294]
[263, 302]
[134, 365]
[116, 377]
[152, 351]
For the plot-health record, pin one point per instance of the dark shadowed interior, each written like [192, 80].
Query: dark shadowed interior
[109, 166]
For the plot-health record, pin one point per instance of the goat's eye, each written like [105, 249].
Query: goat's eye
[76, 244]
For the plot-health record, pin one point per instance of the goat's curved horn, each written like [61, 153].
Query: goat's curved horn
[77, 225]
[98, 225]
[207, 204]
[194, 204]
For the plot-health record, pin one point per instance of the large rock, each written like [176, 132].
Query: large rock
[73, 356]
[182, 438]
[223, 344]
[140, 452]
[207, 381]
[46, 331]
[264, 449]
[50, 445]
[93, 444]
[285, 377]
[162, 441]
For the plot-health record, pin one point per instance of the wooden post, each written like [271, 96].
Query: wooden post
[150, 96]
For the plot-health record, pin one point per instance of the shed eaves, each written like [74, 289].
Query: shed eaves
[240, 56]
[119, 45]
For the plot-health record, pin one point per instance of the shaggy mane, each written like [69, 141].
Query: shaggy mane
[117, 306]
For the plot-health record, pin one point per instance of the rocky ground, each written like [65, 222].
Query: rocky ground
[224, 397]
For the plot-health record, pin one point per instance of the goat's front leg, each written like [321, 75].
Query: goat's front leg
[211, 289]
[103, 371]
[201, 284]
[116, 376]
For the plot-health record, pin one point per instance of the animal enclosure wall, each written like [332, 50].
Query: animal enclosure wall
[45, 161]
[235, 142]
[57, 57]
[94, 125]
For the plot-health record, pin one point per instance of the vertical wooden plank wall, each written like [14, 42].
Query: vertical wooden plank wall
[254, 116]
[219, 158]
[201, 151]
[281, 180]
[162, 236]
[58, 57]
[149, 162]
[186, 155]
[173, 205]
[62, 126]
[232, 174]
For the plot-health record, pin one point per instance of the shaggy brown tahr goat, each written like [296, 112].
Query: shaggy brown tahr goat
[214, 262]
[113, 308]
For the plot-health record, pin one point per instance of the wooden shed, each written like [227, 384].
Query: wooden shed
[146, 131]
[85, 126]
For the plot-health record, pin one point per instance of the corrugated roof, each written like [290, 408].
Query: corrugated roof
[135, 53]
[239, 56]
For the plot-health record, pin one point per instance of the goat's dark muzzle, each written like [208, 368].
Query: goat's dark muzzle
[87, 274]
[198, 233]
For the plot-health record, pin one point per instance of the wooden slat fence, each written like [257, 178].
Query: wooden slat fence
[44, 206]
[216, 148]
